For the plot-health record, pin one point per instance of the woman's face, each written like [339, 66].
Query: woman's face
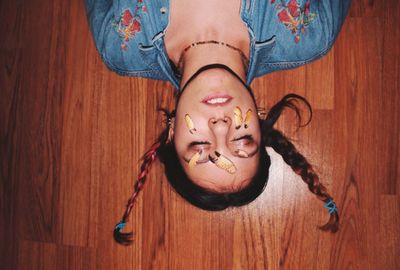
[217, 133]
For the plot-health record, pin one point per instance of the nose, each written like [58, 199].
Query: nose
[220, 123]
[220, 127]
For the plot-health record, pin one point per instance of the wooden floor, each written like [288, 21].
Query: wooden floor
[71, 134]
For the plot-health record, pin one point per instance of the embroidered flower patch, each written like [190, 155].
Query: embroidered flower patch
[129, 23]
[294, 17]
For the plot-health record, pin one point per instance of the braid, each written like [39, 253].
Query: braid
[148, 159]
[297, 161]
[300, 166]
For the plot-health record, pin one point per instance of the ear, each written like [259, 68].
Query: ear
[261, 112]
[171, 126]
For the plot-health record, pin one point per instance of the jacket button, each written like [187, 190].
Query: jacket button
[163, 10]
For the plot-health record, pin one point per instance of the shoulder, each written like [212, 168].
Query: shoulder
[123, 31]
[303, 30]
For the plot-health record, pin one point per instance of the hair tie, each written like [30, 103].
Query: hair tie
[331, 206]
[121, 225]
[120, 237]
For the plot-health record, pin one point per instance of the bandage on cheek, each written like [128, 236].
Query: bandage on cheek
[247, 118]
[189, 123]
[237, 116]
[223, 163]
[242, 153]
[193, 160]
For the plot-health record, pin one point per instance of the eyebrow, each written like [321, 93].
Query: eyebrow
[234, 154]
[194, 143]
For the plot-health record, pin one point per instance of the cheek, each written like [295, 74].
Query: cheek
[257, 134]
[191, 123]
[248, 118]
[180, 137]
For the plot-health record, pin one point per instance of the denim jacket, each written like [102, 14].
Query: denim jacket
[129, 34]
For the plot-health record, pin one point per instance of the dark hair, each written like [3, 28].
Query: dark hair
[214, 201]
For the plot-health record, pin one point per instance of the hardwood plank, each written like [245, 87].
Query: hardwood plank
[8, 166]
[36, 255]
[391, 96]
[366, 8]
[38, 120]
[320, 82]
[270, 89]
[390, 231]
[361, 87]
[77, 222]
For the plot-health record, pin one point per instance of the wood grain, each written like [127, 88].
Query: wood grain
[72, 134]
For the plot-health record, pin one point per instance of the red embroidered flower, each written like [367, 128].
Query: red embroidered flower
[294, 17]
[129, 23]
[294, 8]
[134, 27]
[126, 17]
[307, 8]
[286, 18]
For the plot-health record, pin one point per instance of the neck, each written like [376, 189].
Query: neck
[206, 54]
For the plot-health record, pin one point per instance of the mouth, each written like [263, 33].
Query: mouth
[217, 100]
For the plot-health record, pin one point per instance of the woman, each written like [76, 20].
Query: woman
[213, 148]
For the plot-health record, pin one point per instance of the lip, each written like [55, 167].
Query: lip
[211, 97]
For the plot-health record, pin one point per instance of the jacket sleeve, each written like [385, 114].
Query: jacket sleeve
[331, 16]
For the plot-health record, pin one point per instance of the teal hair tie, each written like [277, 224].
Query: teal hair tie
[331, 206]
[120, 225]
